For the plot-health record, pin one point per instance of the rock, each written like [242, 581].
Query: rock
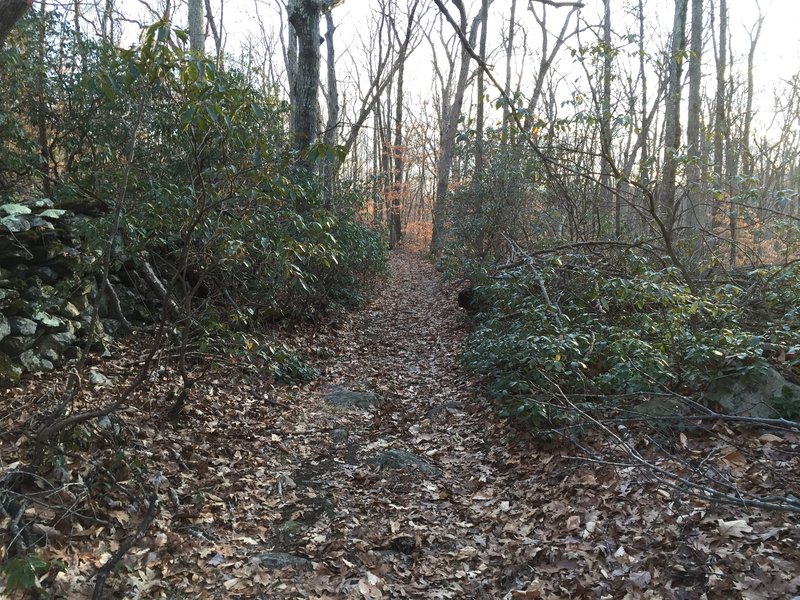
[39, 203]
[760, 394]
[8, 294]
[400, 459]
[14, 345]
[73, 353]
[33, 363]
[339, 435]
[98, 379]
[48, 320]
[70, 311]
[22, 326]
[15, 224]
[46, 274]
[10, 371]
[11, 210]
[5, 326]
[281, 560]
[111, 326]
[341, 396]
[442, 410]
[53, 345]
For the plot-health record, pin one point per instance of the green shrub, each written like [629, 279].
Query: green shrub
[628, 331]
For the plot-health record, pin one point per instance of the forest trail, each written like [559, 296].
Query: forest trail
[388, 473]
[388, 476]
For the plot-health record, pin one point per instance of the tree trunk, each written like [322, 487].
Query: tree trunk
[197, 33]
[509, 53]
[719, 113]
[10, 13]
[605, 124]
[331, 137]
[481, 92]
[672, 116]
[395, 221]
[693, 181]
[447, 143]
[304, 16]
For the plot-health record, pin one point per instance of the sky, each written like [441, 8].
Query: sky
[777, 57]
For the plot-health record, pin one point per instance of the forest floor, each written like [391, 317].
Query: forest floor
[390, 477]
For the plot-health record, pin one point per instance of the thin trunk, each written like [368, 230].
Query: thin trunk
[450, 128]
[480, 117]
[605, 123]
[331, 137]
[720, 124]
[41, 117]
[509, 53]
[693, 181]
[672, 115]
[197, 38]
[395, 222]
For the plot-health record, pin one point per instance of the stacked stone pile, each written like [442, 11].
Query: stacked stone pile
[46, 294]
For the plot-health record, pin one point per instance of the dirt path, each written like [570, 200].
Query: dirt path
[386, 477]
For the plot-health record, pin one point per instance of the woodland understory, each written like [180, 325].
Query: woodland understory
[276, 324]
[279, 491]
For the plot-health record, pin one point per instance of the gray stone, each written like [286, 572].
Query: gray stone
[757, 394]
[22, 326]
[70, 311]
[98, 379]
[33, 363]
[15, 224]
[47, 274]
[73, 353]
[111, 326]
[40, 203]
[5, 327]
[8, 294]
[10, 371]
[281, 560]
[11, 210]
[339, 435]
[14, 345]
[341, 396]
[48, 320]
[54, 344]
[400, 459]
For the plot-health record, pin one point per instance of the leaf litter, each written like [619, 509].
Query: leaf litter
[272, 491]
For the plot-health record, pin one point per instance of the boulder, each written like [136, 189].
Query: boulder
[32, 362]
[281, 560]
[400, 459]
[10, 371]
[53, 345]
[14, 345]
[762, 393]
[22, 326]
[341, 396]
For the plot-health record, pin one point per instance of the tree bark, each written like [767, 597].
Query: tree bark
[449, 128]
[197, 37]
[304, 17]
[10, 12]
[672, 117]
[693, 181]
[331, 135]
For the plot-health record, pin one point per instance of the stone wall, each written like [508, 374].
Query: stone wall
[47, 290]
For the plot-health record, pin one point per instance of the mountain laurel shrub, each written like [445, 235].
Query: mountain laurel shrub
[607, 334]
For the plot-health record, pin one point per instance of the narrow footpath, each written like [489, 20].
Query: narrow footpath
[389, 476]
